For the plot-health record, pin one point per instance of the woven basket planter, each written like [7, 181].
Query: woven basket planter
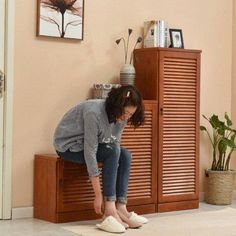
[219, 187]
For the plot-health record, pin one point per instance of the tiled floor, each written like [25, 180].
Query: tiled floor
[34, 227]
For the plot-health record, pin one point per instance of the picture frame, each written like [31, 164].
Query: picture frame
[60, 19]
[176, 38]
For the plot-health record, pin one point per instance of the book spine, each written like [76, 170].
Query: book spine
[161, 36]
[155, 35]
[167, 43]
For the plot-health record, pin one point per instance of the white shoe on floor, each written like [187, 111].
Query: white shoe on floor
[138, 218]
[111, 225]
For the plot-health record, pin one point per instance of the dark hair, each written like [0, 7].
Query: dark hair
[119, 98]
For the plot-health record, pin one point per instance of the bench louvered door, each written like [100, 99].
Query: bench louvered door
[75, 190]
[179, 126]
[141, 142]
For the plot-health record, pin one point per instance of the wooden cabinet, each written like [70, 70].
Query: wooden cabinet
[172, 78]
[63, 193]
[165, 150]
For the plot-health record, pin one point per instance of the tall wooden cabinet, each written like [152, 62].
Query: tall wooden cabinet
[172, 78]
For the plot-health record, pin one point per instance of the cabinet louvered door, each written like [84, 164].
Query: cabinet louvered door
[75, 190]
[141, 142]
[179, 126]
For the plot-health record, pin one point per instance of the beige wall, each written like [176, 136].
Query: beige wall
[52, 75]
[233, 88]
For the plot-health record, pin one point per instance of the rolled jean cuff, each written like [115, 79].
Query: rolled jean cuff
[122, 200]
[110, 198]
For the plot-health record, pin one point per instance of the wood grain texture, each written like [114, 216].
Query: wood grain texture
[45, 188]
[141, 142]
[173, 77]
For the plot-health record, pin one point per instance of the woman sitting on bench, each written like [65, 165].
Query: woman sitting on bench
[90, 133]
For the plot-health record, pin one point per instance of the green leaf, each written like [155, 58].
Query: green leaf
[222, 145]
[203, 128]
[230, 143]
[233, 136]
[228, 121]
[214, 121]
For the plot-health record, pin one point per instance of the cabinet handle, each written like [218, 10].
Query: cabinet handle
[61, 183]
[161, 110]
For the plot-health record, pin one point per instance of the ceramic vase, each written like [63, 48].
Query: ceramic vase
[127, 74]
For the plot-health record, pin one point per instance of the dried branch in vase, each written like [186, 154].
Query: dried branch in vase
[126, 45]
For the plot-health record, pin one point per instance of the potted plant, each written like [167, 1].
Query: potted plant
[220, 177]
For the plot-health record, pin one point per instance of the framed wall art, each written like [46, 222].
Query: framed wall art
[176, 38]
[60, 18]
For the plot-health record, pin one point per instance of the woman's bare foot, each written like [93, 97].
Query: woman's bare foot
[110, 210]
[132, 219]
[131, 223]
[122, 208]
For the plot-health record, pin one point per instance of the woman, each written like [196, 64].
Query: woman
[90, 133]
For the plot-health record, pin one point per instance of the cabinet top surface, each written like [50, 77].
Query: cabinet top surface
[169, 49]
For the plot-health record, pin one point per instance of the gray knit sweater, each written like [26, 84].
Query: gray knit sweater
[85, 126]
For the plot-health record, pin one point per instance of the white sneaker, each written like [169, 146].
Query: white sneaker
[138, 218]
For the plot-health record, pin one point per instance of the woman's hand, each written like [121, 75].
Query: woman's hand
[97, 204]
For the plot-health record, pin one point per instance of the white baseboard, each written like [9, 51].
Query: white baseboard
[22, 212]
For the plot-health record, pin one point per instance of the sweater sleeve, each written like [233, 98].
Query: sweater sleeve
[91, 143]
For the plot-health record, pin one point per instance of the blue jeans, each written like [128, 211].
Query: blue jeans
[115, 169]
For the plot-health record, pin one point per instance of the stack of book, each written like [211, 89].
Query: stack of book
[156, 34]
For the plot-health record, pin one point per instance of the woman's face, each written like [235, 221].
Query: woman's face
[127, 114]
